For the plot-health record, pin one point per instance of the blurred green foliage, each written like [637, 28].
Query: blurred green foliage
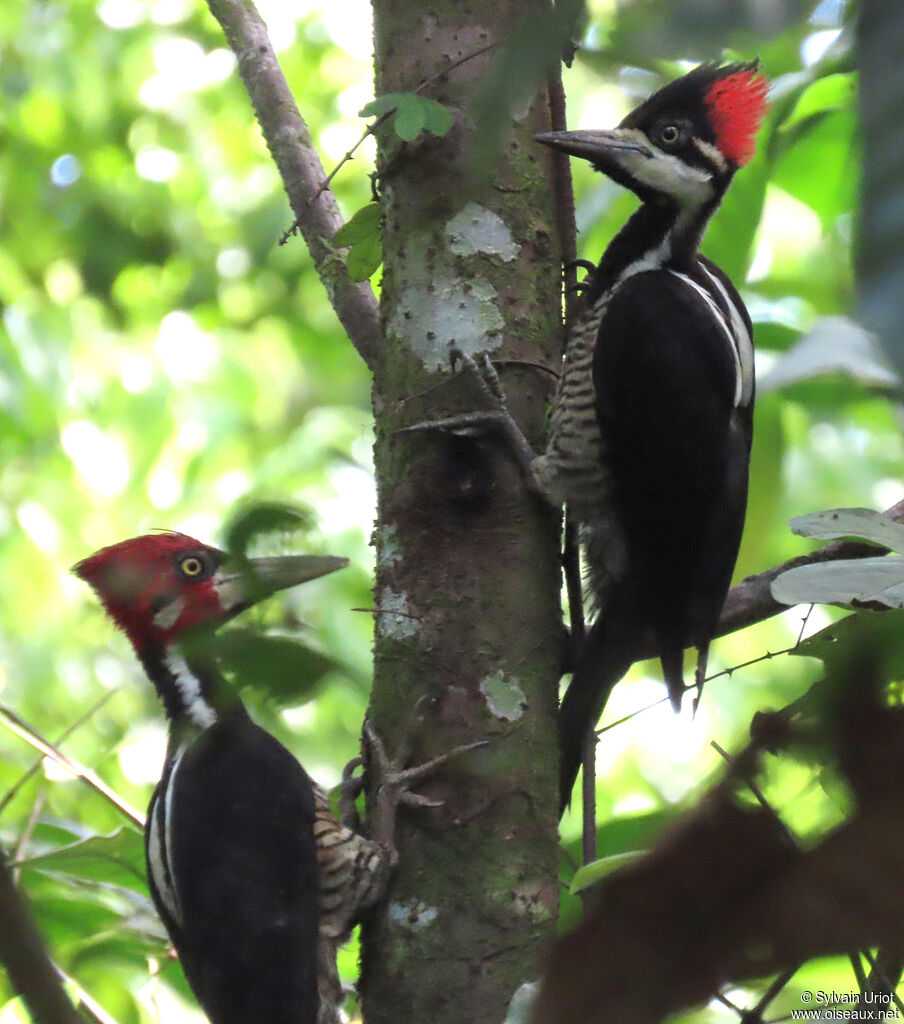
[163, 360]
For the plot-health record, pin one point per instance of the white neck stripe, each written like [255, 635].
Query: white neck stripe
[200, 713]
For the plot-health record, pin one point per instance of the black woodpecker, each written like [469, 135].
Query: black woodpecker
[651, 429]
[254, 878]
[652, 426]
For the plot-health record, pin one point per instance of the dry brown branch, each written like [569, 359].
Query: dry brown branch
[290, 144]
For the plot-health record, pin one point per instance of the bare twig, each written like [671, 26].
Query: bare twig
[24, 955]
[24, 731]
[86, 1001]
[290, 144]
[561, 163]
[64, 735]
[27, 834]
[371, 128]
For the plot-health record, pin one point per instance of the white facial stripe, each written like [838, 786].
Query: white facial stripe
[664, 172]
[198, 710]
[712, 153]
[229, 591]
[720, 320]
[742, 339]
[169, 613]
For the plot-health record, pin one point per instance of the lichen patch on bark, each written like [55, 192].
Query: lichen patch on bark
[504, 697]
[475, 229]
[452, 312]
[394, 621]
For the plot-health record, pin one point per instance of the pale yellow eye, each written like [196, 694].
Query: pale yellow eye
[191, 566]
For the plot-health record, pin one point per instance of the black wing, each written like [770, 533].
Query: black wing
[666, 380]
[231, 828]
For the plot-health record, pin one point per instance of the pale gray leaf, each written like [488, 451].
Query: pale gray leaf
[843, 582]
[835, 344]
[863, 523]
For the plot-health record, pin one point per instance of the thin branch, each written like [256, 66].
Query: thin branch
[64, 735]
[751, 601]
[290, 144]
[767, 656]
[86, 1001]
[27, 834]
[24, 955]
[24, 731]
[371, 128]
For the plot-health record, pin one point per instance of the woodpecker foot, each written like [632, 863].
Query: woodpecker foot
[587, 265]
[579, 287]
[350, 788]
[497, 422]
[394, 783]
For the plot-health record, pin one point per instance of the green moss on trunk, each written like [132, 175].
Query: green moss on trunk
[468, 572]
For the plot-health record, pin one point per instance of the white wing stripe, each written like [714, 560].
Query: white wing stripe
[743, 341]
[720, 320]
[160, 841]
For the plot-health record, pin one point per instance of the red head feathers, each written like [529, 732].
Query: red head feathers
[736, 105]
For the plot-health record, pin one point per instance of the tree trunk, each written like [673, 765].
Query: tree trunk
[468, 623]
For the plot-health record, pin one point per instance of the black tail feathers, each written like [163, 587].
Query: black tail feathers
[610, 649]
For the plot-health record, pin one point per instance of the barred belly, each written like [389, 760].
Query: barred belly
[352, 871]
[572, 471]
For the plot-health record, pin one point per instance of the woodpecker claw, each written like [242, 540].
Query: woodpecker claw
[350, 788]
[579, 264]
[395, 783]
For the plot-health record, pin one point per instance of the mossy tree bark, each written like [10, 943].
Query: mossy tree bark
[468, 623]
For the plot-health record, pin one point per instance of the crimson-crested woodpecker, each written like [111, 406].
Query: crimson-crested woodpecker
[652, 425]
[254, 878]
[651, 428]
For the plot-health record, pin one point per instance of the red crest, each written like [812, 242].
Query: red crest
[736, 106]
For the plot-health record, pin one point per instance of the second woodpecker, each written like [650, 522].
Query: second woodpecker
[652, 426]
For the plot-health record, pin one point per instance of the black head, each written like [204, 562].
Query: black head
[685, 141]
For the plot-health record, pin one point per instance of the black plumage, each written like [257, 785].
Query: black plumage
[231, 824]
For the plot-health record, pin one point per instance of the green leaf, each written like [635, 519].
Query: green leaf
[261, 518]
[364, 258]
[410, 118]
[437, 118]
[381, 105]
[862, 523]
[117, 858]
[830, 93]
[828, 143]
[594, 872]
[362, 224]
[293, 669]
[875, 636]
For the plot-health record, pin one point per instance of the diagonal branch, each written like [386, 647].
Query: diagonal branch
[10, 720]
[290, 144]
[751, 600]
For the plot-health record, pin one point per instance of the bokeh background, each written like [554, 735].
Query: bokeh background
[164, 363]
